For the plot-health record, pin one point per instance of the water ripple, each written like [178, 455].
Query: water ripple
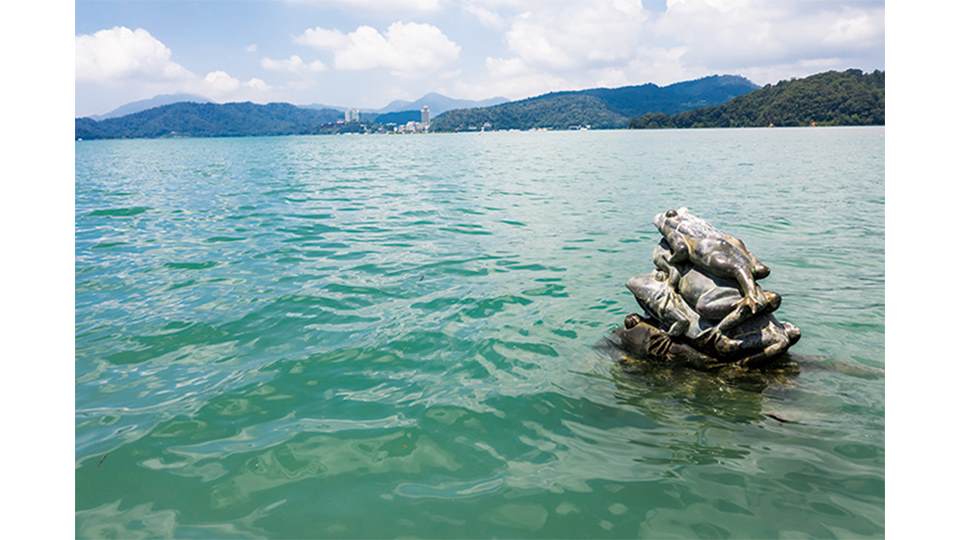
[276, 335]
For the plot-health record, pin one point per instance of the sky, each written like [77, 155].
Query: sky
[366, 53]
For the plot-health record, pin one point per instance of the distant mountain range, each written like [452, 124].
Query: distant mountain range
[596, 107]
[144, 104]
[438, 104]
[187, 119]
[834, 98]
[321, 106]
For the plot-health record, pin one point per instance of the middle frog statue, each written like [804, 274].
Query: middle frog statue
[704, 294]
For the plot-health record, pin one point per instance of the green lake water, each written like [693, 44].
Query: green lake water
[401, 336]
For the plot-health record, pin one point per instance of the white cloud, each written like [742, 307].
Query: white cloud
[578, 34]
[380, 5]
[856, 29]
[660, 65]
[484, 14]
[121, 53]
[753, 33]
[294, 64]
[220, 83]
[405, 48]
[506, 67]
[532, 46]
[570, 44]
[257, 84]
[512, 78]
[322, 38]
[119, 65]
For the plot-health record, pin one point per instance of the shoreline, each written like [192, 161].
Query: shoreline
[477, 132]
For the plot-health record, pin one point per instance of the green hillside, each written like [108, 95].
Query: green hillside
[211, 120]
[596, 107]
[847, 98]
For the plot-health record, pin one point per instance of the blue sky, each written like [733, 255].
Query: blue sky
[365, 53]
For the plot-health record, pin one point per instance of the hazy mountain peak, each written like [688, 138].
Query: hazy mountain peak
[144, 104]
[440, 103]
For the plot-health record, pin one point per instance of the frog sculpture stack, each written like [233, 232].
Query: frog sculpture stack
[703, 306]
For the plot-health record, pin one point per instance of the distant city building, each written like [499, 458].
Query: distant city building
[411, 127]
[425, 115]
[351, 115]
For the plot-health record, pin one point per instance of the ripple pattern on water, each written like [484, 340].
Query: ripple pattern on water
[286, 336]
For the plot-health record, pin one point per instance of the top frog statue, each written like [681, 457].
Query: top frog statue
[693, 239]
[693, 301]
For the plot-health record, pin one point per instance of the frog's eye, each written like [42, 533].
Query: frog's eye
[671, 213]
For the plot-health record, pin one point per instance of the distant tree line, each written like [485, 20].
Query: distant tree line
[558, 112]
[833, 98]
[595, 107]
[190, 119]
[827, 99]
[187, 119]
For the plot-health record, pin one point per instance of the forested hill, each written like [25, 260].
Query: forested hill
[596, 107]
[144, 104]
[210, 120]
[833, 98]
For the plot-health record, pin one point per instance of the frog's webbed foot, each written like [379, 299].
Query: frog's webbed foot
[749, 306]
[753, 299]
[721, 344]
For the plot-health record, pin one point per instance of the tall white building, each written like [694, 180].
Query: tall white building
[351, 115]
[425, 115]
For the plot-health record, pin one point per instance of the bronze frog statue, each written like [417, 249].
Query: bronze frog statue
[758, 338]
[693, 240]
[641, 336]
[713, 298]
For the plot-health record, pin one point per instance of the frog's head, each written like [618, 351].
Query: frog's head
[669, 219]
[648, 289]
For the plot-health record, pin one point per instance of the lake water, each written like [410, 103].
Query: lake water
[382, 336]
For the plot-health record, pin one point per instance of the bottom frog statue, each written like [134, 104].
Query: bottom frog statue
[641, 337]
